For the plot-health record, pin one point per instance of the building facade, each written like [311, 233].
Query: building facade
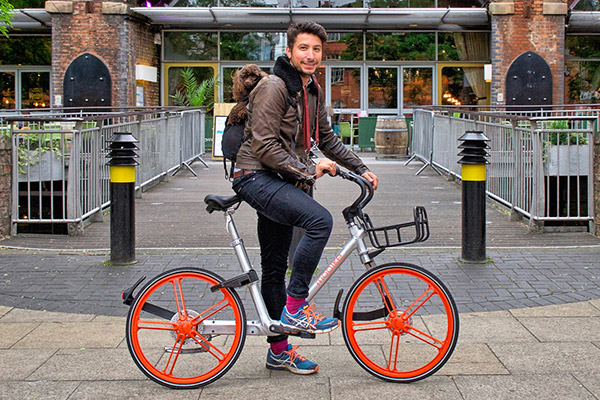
[379, 59]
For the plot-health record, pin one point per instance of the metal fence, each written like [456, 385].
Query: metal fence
[541, 164]
[59, 161]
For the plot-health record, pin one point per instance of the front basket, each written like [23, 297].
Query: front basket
[394, 235]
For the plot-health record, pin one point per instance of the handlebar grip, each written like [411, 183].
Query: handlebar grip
[337, 171]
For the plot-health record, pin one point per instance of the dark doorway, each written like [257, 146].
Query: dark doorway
[87, 83]
[529, 81]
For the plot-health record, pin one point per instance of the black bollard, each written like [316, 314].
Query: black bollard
[122, 197]
[473, 163]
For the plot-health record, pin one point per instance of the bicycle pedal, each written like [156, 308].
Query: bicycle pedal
[292, 332]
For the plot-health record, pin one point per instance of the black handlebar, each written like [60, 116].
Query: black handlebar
[366, 194]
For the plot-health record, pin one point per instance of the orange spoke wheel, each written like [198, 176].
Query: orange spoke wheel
[175, 330]
[400, 322]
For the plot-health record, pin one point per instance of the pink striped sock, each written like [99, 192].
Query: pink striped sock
[292, 304]
[279, 347]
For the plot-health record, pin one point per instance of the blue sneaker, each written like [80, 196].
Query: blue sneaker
[291, 361]
[307, 319]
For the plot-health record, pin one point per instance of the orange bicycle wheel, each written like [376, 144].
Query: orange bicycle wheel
[171, 328]
[400, 322]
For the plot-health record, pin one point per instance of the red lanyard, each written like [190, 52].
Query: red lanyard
[306, 123]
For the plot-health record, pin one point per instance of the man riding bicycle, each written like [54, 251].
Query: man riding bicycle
[274, 174]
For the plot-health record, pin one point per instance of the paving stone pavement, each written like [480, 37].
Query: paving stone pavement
[532, 353]
[530, 317]
[511, 279]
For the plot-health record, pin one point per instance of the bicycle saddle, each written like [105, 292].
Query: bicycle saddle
[220, 203]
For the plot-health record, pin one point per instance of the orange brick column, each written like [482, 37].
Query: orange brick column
[527, 25]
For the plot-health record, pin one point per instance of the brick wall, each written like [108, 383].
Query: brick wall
[527, 29]
[5, 184]
[147, 53]
[117, 38]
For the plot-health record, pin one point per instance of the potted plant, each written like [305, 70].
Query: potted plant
[194, 94]
[565, 152]
[40, 157]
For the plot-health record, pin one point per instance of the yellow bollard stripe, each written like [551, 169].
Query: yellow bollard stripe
[122, 174]
[473, 172]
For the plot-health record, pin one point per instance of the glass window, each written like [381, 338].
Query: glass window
[252, 46]
[579, 46]
[417, 87]
[383, 87]
[447, 47]
[36, 50]
[401, 3]
[186, 46]
[228, 73]
[7, 86]
[587, 5]
[177, 84]
[27, 3]
[464, 46]
[463, 86]
[35, 89]
[345, 87]
[344, 47]
[583, 82]
[400, 46]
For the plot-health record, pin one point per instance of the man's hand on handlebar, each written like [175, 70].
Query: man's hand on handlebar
[371, 177]
[326, 165]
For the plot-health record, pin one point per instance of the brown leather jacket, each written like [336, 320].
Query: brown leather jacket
[274, 130]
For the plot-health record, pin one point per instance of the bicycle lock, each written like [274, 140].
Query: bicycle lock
[122, 197]
[473, 163]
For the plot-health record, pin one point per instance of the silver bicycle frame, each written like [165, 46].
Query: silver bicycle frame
[261, 326]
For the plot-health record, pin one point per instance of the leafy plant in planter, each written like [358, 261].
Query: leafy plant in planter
[564, 138]
[195, 94]
[565, 152]
[32, 149]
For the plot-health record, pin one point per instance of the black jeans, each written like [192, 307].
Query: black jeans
[281, 206]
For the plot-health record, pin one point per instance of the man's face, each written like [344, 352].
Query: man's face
[306, 54]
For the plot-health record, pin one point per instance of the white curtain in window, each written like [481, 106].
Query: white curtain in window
[474, 46]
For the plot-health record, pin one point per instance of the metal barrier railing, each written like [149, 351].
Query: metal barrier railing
[540, 166]
[59, 162]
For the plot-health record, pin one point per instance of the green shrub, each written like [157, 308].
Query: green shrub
[563, 138]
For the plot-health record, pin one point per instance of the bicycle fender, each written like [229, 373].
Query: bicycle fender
[127, 294]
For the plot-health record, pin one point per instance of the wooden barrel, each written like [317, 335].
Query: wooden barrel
[391, 136]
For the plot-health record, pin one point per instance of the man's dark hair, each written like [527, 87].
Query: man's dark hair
[297, 28]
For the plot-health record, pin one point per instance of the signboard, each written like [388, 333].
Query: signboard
[139, 96]
[221, 111]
